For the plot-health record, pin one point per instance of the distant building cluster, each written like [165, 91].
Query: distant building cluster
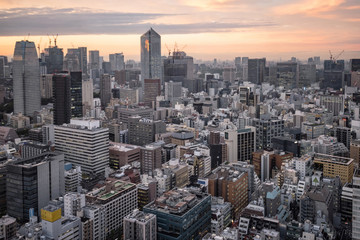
[176, 148]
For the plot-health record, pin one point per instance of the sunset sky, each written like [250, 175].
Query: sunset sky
[210, 29]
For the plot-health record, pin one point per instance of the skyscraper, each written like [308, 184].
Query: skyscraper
[62, 98]
[117, 61]
[152, 89]
[76, 94]
[33, 182]
[54, 59]
[256, 70]
[83, 60]
[94, 57]
[105, 89]
[150, 55]
[26, 78]
[287, 74]
[333, 74]
[88, 136]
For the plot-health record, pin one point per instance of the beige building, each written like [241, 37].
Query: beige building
[333, 166]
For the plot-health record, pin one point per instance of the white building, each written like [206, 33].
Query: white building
[73, 203]
[84, 144]
[303, 166]
[140, 226]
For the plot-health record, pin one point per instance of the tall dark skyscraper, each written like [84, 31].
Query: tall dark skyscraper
[33, 182]
[256, 70]
[333, 74]
[62, 98]
[26, 78]
[54, 58]
[76, 94]
[178, 67]
[105, 89]
[150, 55]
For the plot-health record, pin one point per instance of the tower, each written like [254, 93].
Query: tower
[62, 98]
[26, 78]
[150, 55]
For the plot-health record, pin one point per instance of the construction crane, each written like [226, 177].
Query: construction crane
[337, 56]
[49, 41]
[55, 37]
[334, 58]
[168, 49]
[38, 46]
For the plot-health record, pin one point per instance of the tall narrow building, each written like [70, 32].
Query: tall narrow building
[105, 89]
[76, 94]
[54, 59]
[26, 78]
[62, 98]
[152, 89]
[117, 61]
[150, 55]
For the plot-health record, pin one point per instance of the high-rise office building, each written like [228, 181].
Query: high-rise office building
[333, 74]
[152, 89]
[72, 60]
[94, 60]
[46, 88]
[140, 226]
[84, 143]
[26, 78]
[62, 98]
[231, 185]
[178, 67]
[307, 75]
[119, 199]
[33, 182]
[150, 157]
[287, 74]
[176, 209]
[76, 94]
[83, 60]
[173, 91]
[355, 151]
[105, 89]
[3, 63]
[87, 96]
[343, 135]
[54, 58]
[256, 70]
[266, 130]
[356, 206]
[117, 62]
[150, 43]
[142, 131]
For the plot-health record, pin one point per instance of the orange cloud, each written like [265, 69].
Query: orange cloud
[308, 7]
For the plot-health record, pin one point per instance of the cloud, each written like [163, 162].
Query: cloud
[308, 7]
[74, 21]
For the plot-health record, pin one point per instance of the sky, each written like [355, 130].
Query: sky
[204, 29]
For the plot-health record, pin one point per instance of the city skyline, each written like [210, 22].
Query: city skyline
[209, 28]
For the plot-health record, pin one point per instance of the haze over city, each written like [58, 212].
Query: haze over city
[210, 29]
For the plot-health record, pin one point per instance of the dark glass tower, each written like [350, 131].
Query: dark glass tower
[54, 59]
[76, 94]
[62, 98]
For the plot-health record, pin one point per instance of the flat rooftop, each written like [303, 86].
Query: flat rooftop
[333, 159]
[110, 189]
[177, 201]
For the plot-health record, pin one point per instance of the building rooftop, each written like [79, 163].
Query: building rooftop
[122, 147]
[111, 189]
[177, 201]
[333, 159]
